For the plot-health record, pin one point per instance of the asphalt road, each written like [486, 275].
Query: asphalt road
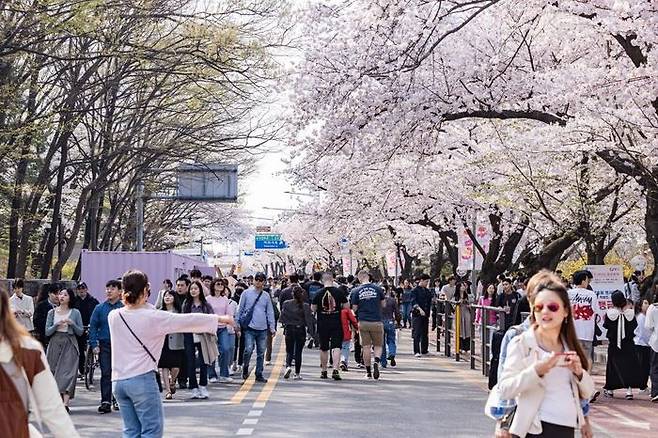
[428, 397]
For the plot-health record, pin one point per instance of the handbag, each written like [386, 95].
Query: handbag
[246, 316]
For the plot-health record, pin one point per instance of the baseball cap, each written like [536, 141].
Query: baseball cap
[82, 285]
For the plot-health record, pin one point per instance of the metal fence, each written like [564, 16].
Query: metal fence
[447, 331]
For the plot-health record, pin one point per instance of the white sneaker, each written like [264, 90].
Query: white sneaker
[645, 391]
[213, 380]
[196, 394]
[203, 392]
[268, 362]
[417, 355]
[225, 380]
[286, 375]
[297, 377]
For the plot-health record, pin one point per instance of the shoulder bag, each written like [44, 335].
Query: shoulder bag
[246, 316]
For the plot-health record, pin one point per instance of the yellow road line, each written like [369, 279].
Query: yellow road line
[244, 390]
[265, 394]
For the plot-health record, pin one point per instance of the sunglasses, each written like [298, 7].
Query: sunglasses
[552, 307]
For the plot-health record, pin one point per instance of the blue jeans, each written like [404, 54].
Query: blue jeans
[345, 352]
[225, 345]
[406, 313]
[255, 338]
[141, 406]
[389, 348]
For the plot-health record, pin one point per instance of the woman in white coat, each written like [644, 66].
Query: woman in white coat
[545, 370]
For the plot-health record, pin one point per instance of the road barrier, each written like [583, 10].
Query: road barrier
[447, 326]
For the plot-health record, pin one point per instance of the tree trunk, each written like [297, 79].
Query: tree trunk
[651, 221]
[437, 260]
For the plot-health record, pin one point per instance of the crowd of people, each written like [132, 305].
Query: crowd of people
[205, 330]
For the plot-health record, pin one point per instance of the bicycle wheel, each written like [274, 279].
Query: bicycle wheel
[90, 368]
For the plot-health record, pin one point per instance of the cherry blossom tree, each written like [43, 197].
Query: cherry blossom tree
[532, 112]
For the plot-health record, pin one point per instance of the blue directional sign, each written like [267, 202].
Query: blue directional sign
[269, 241]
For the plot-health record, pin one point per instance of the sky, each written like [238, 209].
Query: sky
[265, 189]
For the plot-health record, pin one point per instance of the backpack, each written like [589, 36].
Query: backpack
[313, 290]
[328, 302]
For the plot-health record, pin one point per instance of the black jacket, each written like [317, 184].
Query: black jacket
[39, 319]
[86, 308]
[422, 297]
[292, 315]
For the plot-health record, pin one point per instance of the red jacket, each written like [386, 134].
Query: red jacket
[347, 317]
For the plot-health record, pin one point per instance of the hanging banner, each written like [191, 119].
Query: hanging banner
[347, 265]
[467, 249]
[607, 279]
[392, 267]
[483, 237]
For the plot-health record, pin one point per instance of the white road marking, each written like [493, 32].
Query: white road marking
[259, 405]
[254, 413]
[245, 431]
[250, 421]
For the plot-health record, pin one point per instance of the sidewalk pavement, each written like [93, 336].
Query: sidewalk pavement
[620, 417]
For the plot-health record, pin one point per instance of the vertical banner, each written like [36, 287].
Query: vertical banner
[467, 249]
[466, 253]
[607, 279]
[483, 237]
[347, 265]
[392, 267]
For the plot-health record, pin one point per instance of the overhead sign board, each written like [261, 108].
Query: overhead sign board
[207, 183]
[263, 229]
[269, 241]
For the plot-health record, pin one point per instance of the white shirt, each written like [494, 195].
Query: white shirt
[449, 291]
[642, 334]
[583, 305]
[651, 324]
[558, 406]
[151, 326]
[60, 317]
[26, 304]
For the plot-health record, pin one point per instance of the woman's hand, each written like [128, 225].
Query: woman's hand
[544, 366]
[586, 430]
[572, 361]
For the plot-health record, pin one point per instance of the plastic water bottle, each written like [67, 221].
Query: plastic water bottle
[504, 408]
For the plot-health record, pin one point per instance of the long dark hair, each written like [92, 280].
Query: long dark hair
[176, 303]
[461, 291]
[215, 282]
[485, 294]
[552, 282]
[72, 299]
[298, 295]
[187, 306]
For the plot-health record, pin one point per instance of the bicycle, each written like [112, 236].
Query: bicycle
[91, 364]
